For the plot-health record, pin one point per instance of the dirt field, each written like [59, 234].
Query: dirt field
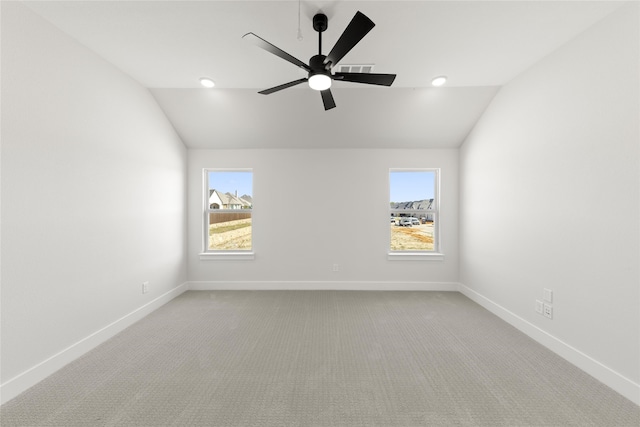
[418, 237]
[235, 239]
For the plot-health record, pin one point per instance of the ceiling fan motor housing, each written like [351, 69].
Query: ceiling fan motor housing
[316, 63]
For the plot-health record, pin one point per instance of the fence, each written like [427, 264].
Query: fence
[215, 218]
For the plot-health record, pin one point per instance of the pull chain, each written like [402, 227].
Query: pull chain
[299, 30]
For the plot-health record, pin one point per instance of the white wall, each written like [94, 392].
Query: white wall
[314, 208]
[549, 199]
[93, 195]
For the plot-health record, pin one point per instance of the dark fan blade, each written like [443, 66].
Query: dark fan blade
[284, 86]
[275, 50]
[359, 26]
[327, 99]
[372, 79]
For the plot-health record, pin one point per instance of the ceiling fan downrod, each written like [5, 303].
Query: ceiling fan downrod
[320, 24]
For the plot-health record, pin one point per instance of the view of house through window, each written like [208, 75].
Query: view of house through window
[228, 210]
[414, 210]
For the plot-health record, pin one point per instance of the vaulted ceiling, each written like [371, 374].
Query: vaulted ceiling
[168, 45]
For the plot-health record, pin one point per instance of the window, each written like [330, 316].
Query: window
[413, 206]
[228, 210]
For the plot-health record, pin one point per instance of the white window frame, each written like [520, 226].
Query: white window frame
[213, 254]
[417, 255]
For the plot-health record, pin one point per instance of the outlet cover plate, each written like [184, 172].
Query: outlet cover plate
[548, 311]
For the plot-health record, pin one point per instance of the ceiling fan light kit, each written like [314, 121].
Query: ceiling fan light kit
[320, 66]
[319, 82]
[319, 76]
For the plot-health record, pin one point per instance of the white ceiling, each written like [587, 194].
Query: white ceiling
[168, 45]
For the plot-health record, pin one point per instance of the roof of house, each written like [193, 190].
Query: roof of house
[228, 199]
[418, 204]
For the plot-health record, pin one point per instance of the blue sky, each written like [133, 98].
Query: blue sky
[404, 186]
[411, 185]
[229, 182]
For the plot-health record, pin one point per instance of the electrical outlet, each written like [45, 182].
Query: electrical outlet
[539, 306]
[336, 267]
[548, 311]
[145, 287]
[548, 295]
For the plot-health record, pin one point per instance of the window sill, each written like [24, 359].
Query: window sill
[415, 256]
[225, 256]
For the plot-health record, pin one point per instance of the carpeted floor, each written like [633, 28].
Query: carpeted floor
[320, 358]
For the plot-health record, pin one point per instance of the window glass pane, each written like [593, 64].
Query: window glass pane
[412, 189]
[230, 231]
[229, 208]
[412, 232]
[413, 208]
[230, 189]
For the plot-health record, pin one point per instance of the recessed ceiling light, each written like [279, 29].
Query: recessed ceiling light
[207, 82]
[439, 81]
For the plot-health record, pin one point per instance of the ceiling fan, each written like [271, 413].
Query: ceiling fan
[320, 66]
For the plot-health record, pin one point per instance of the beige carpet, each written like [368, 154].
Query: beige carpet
[320, 358]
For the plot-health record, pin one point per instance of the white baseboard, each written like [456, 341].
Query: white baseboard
[323, 285]
[34, 375]
[602, 373]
